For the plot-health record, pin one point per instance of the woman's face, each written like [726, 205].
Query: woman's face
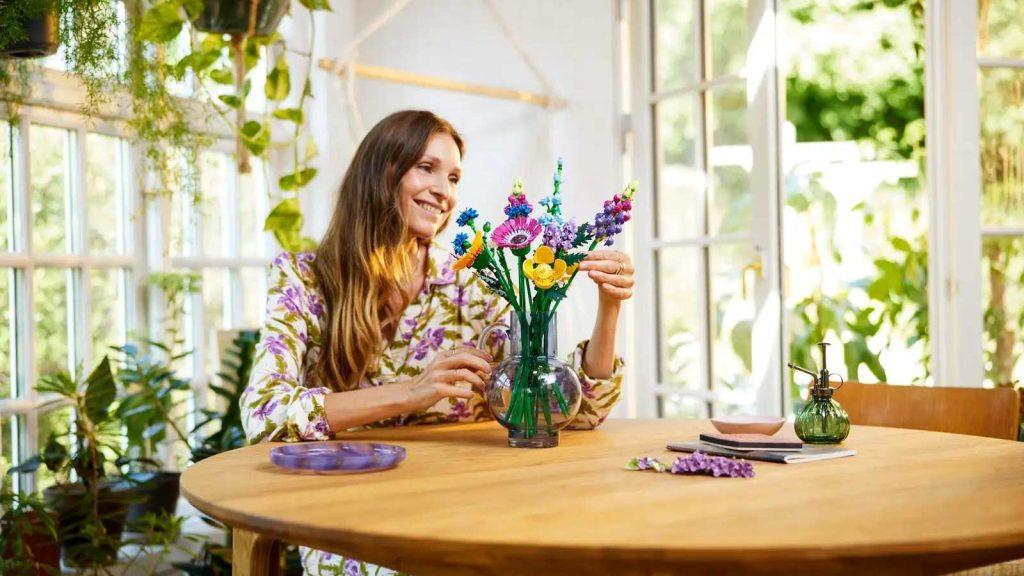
[427, 190]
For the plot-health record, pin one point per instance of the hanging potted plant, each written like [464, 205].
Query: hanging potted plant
[30, 29]
[85, 29]
[228, 40]
[145, 409]
[91, 508]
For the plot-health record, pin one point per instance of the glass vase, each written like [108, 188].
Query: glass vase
[822, 421]
[532, 393]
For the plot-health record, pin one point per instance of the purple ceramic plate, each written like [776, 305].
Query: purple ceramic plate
[337, 457]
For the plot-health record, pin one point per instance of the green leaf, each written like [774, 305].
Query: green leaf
[297, 180]
[278, 81]
[291, 114]
[222, 76]
[230, 100]
[161, 23]
[316, 4]
[900, 244]
[99, 392]
[255, 137]
[285, 221]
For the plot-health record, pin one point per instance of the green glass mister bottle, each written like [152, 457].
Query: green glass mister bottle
[822, 420]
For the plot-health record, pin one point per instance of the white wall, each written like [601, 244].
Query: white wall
[573, 41]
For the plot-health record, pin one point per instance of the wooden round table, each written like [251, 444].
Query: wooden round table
[465, 503]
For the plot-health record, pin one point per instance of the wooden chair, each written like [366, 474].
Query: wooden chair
[976, 411]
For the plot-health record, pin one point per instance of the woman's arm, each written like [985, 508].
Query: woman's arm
[612, 271]
[437, 381]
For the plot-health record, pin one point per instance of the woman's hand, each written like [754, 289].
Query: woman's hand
[612, 271]
[437, 381]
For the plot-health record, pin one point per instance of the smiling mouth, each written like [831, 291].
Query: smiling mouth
[435, 210]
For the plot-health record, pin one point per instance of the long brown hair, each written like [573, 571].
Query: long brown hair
[364, 260]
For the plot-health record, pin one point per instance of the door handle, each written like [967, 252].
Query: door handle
[754, 267]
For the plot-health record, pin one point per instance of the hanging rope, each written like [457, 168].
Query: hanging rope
[517, 45]
[347, 65]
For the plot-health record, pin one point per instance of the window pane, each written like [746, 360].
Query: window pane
[732, 315]
[730, 159]
[214, 284]
[185, 208]
[680, 183]
[675, 44]
[107, 318]
[6, 332]
[1003, 297]
[254, 297]
[1002, 146]
[50, 180]
[51, 319]
[7, 440]
[214, 187]
[727, 22]
[681, 407]
[1001, 28]
[252, 198]
[679, 311]
[58, 423]
[104, 194]
[6, 185]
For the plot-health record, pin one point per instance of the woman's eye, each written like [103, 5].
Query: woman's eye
[425, 167]
[454, 180]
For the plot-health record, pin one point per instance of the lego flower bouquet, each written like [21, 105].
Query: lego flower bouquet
[532, 393]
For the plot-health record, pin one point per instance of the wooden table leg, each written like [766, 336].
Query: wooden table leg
[254, 554]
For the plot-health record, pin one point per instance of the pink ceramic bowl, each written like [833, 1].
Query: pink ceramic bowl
[748, 424]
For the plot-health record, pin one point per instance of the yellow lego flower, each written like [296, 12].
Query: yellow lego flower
[544, 269]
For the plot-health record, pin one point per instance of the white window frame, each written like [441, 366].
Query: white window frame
[763, 89]
[28, 404]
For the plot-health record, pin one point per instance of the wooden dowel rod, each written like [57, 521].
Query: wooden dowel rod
[425, 81]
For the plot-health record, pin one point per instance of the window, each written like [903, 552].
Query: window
[82, 254]
[1001, 93]
[68, 265]
[711, 254]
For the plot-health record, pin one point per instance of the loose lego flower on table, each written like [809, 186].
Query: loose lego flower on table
[470, 253]
[516, 233]
[544, 269]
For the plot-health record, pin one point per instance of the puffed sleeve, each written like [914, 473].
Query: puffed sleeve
[277, 405]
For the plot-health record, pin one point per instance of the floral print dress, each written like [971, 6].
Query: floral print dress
[284, 402]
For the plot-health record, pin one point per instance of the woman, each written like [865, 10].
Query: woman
[376, 329]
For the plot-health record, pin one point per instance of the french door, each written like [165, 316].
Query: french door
[706, 141]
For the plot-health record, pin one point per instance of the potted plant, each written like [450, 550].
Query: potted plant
[85, 29]
[234, 377]
[28, 534]
[146, 410]
[91, 507]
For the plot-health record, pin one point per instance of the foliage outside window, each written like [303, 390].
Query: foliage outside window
[855, 222]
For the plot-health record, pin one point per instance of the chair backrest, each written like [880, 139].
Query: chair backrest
[977, 411]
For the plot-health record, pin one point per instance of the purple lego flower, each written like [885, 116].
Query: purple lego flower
[717, 466]
[616, 212]
[646, 463]
[560, 235]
